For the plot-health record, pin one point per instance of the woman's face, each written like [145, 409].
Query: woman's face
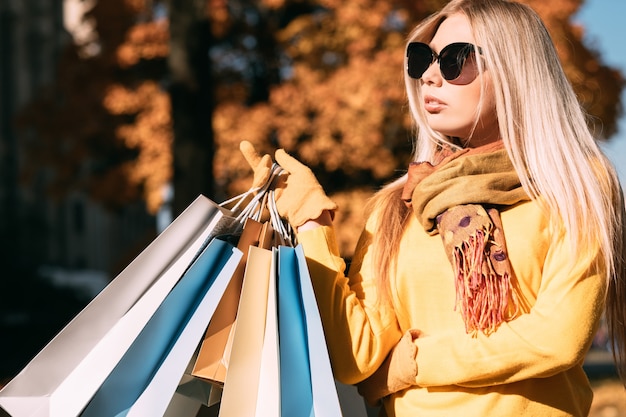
[452, 108]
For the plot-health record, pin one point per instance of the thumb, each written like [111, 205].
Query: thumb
[251, 155]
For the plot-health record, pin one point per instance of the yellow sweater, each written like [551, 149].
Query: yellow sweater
[531, 366]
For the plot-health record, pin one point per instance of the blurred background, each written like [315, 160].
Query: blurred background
[115, 115]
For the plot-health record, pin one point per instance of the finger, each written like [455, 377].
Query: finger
[251, 155]
[262, 171]
[287, 162]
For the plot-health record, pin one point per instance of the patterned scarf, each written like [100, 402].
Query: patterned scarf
[459, 198]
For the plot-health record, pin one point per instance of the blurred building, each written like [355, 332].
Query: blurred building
[73, 233]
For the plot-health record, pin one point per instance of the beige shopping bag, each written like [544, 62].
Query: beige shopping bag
[242, 378]
[213, 357]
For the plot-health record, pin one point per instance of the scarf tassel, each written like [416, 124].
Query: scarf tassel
[482, 295]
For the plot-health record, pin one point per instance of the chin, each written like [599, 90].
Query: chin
[453, 133]
[438, 125]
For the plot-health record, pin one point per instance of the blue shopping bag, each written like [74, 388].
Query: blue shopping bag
[203, 282]
[296, 395]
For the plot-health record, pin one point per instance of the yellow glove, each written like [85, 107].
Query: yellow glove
[261, 165]
[396, 373]
[299, 196]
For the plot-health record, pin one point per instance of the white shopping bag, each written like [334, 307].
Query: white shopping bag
[268, 398]
[66, 373]
[325, 397]
[145, 379]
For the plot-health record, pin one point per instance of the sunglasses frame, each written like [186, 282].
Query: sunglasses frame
[464, 48]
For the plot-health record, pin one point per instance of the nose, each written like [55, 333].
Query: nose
[432, 75]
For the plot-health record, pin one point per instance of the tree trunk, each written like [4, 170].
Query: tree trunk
[191, 93]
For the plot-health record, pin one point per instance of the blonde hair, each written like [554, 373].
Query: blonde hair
[546, 134]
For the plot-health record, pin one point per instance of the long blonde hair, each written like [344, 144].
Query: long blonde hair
[546, 134]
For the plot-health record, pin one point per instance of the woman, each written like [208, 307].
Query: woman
[481, 275]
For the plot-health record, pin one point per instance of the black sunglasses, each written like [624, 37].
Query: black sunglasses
[451, 59]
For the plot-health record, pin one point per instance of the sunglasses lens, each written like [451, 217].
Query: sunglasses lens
[452, 59]
[419, 58]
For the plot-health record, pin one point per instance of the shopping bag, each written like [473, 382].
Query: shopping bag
[268, 397]
[212, 361]
[239, 397]
[145, 379]
[64, 375]
[192, 391]
[325, 397]
[155, 399]
[191, 394]
[296, 394]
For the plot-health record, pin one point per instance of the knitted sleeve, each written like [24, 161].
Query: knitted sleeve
[359, 331]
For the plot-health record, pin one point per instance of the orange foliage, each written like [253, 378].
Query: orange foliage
[219, 16]
[144, 41]
[150, 135]
[342, 111]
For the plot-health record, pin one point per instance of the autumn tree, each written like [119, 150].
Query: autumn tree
[192, 97]
[107, 125]
[320, 78]
[104, 127]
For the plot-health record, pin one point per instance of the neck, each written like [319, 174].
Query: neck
[474, 143]
[477, 141]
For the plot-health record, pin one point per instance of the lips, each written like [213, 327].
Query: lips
[433, 104]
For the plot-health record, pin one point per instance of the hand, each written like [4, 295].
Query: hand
[299, 196]
[396, 373]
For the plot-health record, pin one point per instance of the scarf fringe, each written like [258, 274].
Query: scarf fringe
[483, 296]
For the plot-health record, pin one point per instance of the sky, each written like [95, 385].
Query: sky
[605, 29]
